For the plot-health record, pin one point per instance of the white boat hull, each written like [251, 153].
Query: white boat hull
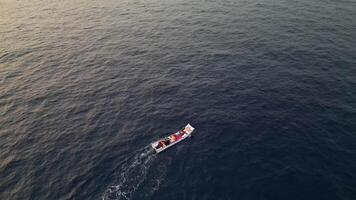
[188, 129]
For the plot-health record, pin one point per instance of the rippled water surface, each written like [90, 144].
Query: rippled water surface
[269, 85]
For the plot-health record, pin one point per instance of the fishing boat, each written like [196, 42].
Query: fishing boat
[164, 143]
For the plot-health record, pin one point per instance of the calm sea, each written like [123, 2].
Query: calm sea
[87, 85]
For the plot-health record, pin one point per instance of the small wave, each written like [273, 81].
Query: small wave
[156, 182]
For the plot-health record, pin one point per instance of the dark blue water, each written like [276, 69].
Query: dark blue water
[86, 86]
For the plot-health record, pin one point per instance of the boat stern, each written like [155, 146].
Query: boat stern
[154, 144]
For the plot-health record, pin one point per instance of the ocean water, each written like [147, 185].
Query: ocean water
[269, 85]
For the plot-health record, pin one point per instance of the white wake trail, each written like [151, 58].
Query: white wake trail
[131, 176]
